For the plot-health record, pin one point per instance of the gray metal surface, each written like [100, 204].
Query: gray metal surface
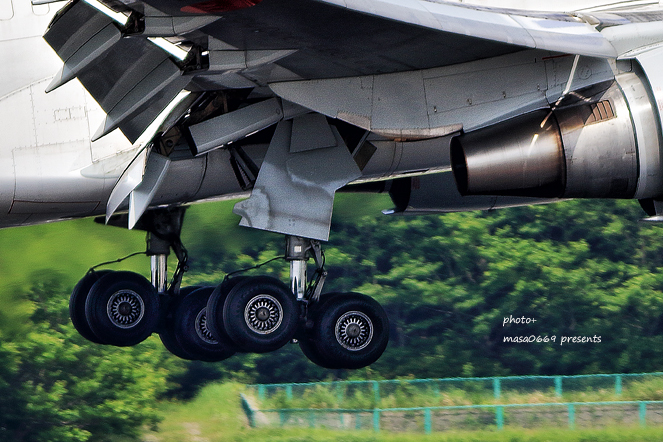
[601, 156]
[409, 72]
[294, 192]
[142, 195]
[520, 156]
[218, 131]
[437, 102]
[437, 193]
[574, 36]
[591, 149]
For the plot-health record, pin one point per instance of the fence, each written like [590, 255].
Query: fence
[477, 390]
[427, 405]
[468, 417]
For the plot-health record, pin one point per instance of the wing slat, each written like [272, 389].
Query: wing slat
[132, 79]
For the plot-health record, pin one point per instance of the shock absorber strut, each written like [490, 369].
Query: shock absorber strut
[298, 252]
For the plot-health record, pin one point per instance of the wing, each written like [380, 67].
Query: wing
[375, 65]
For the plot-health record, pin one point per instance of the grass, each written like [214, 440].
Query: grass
[215, 415]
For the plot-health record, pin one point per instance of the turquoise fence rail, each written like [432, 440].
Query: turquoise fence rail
[470, 417]
[369, 394]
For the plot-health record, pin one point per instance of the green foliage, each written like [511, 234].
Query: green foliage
[580, 268]
[57, 387]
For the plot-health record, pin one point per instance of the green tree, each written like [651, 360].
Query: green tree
[58, 387]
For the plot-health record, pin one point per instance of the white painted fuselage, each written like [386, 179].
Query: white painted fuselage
[49, 169]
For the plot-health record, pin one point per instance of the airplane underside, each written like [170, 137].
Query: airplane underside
[445, 107]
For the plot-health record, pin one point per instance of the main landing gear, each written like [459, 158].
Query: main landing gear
[255, 314]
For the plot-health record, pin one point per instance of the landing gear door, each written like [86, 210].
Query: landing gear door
[294, 192]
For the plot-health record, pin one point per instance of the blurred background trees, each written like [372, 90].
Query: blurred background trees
[580, 268]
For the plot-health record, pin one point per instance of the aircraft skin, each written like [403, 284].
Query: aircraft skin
[130, 110]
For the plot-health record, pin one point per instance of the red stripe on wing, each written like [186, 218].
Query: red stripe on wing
[217, 6]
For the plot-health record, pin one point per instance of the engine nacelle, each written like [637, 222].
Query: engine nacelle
[605, 144]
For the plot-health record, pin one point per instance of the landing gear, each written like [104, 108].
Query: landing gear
[77, 305]
[348, 330]
[255, 314]
[122, 309]
[190, 329]
[259, 314]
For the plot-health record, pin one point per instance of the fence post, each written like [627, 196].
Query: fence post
[282, 417]
[572, 416]
[339, 393]
[357, 420]
[261, 392]
[250, 414]
[288, 392]
[376, 392]
[618, 385]
[558, 386]
[341, 419]
[376, 420]
[311, 418]
[497, 388]
[428, 424]
[499, 417]
[643, 413]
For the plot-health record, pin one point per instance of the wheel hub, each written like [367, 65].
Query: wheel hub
[125, 309]
[354, 330]
[201, 328]
[263, 314]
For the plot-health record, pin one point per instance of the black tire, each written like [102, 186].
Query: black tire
[215, 308]
[77, 305]
[307, 343]
[192, 332]
[352, 330]
[167, 333]
[122, 309]
[312, 353]
[260, 314]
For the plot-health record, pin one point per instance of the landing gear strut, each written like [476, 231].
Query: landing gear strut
[242, 314]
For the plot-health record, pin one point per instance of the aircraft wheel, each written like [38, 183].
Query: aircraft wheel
[167, 333]
[260, 314]
[305, 336]
[77, 304]
[192, 332]
[122, 309]
[312, 353]
[215, 308]
[352, 330]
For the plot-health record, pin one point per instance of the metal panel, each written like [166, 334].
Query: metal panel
[131, 78]
[167, 26]
[437, 193]
[652, 64]
[647, 134]
[61, 117]
[393, 91]
[146, 94]
[633, 36]
[141, 197]
[224, 60]
[233, 126]
[310, 132]
[429, 103]
[294, 192]
[547, 32]
[86, 55]
[129, 180]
